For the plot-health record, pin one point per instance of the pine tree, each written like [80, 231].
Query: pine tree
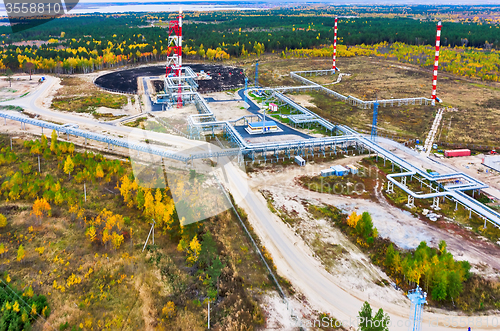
[440, 286]
[454, 285]
[389, 257]
[208, 249]
[215, 270]
[367, 322]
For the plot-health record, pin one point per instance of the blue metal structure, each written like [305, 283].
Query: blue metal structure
[140, 147]
[374, 123]
[418, 299]
[246, 86]
[344, 137]
[257, 74]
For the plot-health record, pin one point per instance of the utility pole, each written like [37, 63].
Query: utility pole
[264, 120]
[150, 231]
[245, 92]
[257, 74]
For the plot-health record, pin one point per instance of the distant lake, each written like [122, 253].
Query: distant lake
[117, 7]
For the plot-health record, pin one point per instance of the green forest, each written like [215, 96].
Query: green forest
[88, 42]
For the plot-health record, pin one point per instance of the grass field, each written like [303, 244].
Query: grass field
[91, 285]
[81, 96]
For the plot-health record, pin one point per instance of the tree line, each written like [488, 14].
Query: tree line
[84, 43]
[463, 61]
[434, 269]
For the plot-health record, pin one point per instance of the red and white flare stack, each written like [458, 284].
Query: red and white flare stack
[436, 61]
[174, 56]
[179, 64]
[334, 67]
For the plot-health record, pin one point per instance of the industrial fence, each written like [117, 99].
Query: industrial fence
[115, 90]
[219, 90]
[173, 128]
[395, 137]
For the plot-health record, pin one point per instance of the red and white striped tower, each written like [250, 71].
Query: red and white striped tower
[174, 56]
[334, 67]
[179, 65]
[436, 61]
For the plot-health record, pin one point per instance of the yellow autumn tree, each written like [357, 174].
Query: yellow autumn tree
[20, 253]
[149, 206]
[53, 142]
[194, 250]
[99, 173]
[116, 240]
[169, 309]
[29, 292]
[3, 221]
[353, 219]
[91, 233]
[41, 208]
[68, 166]
[125, 187]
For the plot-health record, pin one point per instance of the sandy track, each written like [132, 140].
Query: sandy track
[402, 228]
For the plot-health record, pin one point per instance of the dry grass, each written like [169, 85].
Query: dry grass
[477, 119]
[126, 289]
[79, 95]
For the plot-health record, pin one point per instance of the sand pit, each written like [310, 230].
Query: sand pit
[20, 85]
[223, 78]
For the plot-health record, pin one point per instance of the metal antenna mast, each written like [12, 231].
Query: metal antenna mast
[418, 299]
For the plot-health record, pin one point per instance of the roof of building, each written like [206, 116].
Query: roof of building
[259, 124]
[338, 167]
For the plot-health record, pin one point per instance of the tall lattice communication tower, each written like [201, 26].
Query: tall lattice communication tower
[418, 299]
[174, 56]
